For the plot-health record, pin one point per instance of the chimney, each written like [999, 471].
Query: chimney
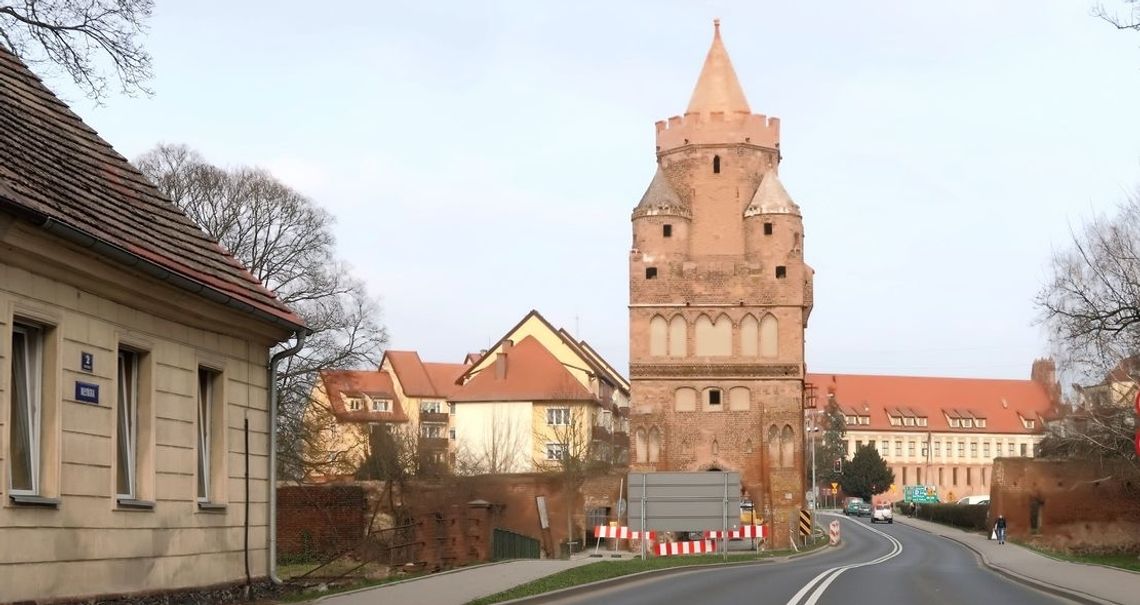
[501, 359]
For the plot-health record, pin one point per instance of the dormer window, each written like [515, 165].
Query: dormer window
[980, 422]
[864, 420]
[354, 403]
[967, 423]
[955, 423]
[922, 421]
[381, 405]
[667, 230]
[1029, 424]
[716, 164]
[895, 420]
[908, 421]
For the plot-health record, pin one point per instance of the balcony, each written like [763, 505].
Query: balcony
[433, 443]
[440, 417]
[621, 440]
[601, 433]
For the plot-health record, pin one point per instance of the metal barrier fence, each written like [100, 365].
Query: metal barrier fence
[506, 544]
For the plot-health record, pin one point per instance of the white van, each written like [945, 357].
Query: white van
[974, 500]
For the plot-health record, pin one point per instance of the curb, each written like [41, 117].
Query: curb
[1034, 583]
[642, 575]
[425, 576]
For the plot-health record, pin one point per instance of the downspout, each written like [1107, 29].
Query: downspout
[272, 525]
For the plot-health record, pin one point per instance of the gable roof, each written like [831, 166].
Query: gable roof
[529, 373]
[588, 354]
[339, 384]
[57, 172]
[1001, 402]
[419, 379]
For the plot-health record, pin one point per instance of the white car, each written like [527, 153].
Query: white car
[882, 512]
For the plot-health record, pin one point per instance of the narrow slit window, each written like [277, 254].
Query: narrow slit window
[651, 273]
[714, 396]
[128, 431]
[667, 230]
[26, 409]
[716, 164]
[767, 228]
[781, 272]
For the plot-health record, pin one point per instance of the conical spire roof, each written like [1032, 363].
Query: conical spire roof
[661, 199]
[771, 198]
[717, 88]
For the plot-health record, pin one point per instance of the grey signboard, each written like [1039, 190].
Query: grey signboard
[692, 501]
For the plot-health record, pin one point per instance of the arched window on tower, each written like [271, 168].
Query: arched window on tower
[716, 164]
[654, 444]
[787, 447]
[749, 336]
[678, 336]
[769, 336]
[642, 453]
[774, 446]
[658, 331]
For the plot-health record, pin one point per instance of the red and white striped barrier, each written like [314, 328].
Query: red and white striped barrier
[745, 531]
[621, 533]
[694, 547]
[833, 532]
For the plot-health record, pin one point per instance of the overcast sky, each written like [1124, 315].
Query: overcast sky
[482, 158]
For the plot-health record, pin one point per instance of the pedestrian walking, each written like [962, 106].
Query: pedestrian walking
[999, 528]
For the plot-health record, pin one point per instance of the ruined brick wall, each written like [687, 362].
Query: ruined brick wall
[320, 519]
[1074, 504]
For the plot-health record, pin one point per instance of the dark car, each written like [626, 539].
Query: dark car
[864, 509]
[852, 506]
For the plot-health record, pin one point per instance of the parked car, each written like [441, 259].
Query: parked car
[974, 500]
[851, 506]
[883, 512]
[864, 509]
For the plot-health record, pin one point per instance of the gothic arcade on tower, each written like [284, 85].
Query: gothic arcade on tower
[719, 299]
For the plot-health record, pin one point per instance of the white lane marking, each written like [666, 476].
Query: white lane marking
[826, 577]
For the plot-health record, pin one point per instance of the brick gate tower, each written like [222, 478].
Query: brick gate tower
[719, 300]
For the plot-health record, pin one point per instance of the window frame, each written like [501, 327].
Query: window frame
[553, 415]
[211, 457]
[131, 432]
[34, 338]
[551, 447]
[709, 396]
[381, 405]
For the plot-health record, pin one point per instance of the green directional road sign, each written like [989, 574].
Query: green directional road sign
[920, 494]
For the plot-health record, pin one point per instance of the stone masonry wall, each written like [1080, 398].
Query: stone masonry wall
[320, 519]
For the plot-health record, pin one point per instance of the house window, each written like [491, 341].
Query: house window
[451, 434]
[954, 475]
[431, 407]
[558, 416]
[126, 455]
[864, 420]
[767, 228]
[954, 423]
[381, 405]
[1024, 450]
[904, 476]
[969, 476]
[1029, 424]
[713, 396]
[999, 449]
[555, 451]
[209, 443]
[858, 444]
[938, 451]
[451, 408]
[922, 422]
[940, 475]
[894, 420]
[781, 272]
[27, 409]
[986, 449]
[898, 448]
[908, 421]
[980, 422]
[354, 403]
[716, 164]
[910, 449]
[974, 449]
[967, 423]
[431, 431]
[667, 230]
[961, 449]
[651, 273]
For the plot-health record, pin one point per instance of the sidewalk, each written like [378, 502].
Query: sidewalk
[1087, 583]
[457, 587]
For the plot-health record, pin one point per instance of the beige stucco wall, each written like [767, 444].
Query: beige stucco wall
[500, 427]
[87, 545]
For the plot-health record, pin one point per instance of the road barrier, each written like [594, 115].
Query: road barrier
[805, 522]
[692, 547]
[745, 531]
[621, 533]
[833, 533]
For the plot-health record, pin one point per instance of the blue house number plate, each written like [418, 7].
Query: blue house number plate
[87, 392]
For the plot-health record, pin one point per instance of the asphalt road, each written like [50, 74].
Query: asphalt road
[879, 564]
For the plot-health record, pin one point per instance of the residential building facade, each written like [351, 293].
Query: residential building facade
[719, 299]
[134, 389]
[940, 432]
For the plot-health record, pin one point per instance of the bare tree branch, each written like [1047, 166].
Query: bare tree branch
[78, 35]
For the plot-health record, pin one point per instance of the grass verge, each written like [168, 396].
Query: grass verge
[1125, 561]
[308, 594]
[606, 570]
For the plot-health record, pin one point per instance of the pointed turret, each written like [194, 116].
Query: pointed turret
[771, 198]
[717, 89]
[661, 200]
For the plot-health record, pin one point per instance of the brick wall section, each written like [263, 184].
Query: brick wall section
[323, 519]
[1081, 505]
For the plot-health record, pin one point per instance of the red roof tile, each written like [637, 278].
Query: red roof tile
[1001, 402]
[419, 379]
[532, 373]
[54, 166]
[374, 383]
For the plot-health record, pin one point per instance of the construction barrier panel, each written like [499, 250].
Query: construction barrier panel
[833, 533]
[805, 522]
[693, 547]
[745, 531]
[622, 533]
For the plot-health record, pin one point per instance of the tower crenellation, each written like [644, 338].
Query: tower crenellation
[718, 128]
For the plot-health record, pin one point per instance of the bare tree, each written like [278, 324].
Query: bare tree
[78, 35]
[1129, 20]
[572, 453]
[1091, 308]
[286, 241]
